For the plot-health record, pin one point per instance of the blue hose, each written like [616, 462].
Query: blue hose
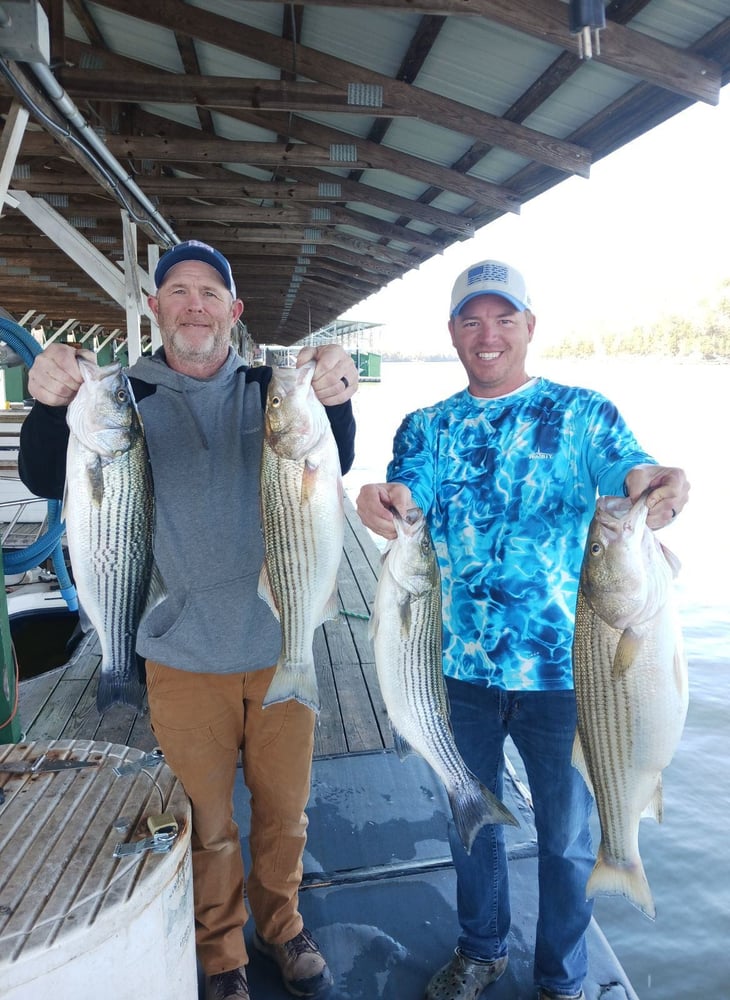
[49, 544]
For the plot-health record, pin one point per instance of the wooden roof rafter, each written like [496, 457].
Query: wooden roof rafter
[279, 170]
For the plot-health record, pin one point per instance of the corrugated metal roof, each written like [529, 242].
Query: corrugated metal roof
[326, 148]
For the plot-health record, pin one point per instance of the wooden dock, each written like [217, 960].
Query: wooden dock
[377, 850]
[61, 704]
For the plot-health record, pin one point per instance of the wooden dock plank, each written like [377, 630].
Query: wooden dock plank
[329, 733]
[34, 693]
[61, 703]
[53, 721]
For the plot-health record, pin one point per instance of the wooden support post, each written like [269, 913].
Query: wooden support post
[132, 288]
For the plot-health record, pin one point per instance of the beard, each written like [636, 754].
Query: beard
[196, 350]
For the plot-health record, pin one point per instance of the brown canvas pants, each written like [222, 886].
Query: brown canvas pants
[202, 722]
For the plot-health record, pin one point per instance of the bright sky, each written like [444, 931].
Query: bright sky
[648, 234]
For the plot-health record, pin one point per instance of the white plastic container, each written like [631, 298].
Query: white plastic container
[76, 921]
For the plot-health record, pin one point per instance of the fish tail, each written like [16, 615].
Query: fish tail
[114, 690]
[474, 806]
[621, 880]
[79, 644]
[297, 681]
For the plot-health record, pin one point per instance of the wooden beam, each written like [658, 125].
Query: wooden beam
[254, 43]
[189, 57]
[218, 92]
[632, 52]
[207, 149]
[325, 147]
[378, 157]
[87, 22]
[315, 186]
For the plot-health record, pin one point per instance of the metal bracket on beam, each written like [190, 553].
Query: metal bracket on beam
[365, 95]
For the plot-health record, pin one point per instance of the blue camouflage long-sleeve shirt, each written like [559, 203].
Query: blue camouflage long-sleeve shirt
[509, 487]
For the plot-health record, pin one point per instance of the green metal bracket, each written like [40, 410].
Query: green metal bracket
[10, 729]
[16, 383]
[105, 355]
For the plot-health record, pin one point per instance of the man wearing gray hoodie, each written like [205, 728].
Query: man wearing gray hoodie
[210, 645]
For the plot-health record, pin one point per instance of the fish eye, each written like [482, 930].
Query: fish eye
[596, 548]
[122, 396]
[275, 400]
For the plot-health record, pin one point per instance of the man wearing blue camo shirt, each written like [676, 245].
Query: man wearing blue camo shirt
[507, 472]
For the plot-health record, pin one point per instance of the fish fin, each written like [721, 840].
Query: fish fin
[156, 590]
[310, 474]
[84, 620]
[579, 762]
[332, 608]
[404, 614]
[120, 690]
[294, 681]
[95, 476]
[81, 639]
[621, 880]
[474, 806]
[266, 592]
[402, 747]
[674, 563]
[373, 624]
[626, 652]
[680, 673]
[80, 642]
[654, 809]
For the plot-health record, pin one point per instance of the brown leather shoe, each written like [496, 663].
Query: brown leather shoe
[464, 978]
[303, 968]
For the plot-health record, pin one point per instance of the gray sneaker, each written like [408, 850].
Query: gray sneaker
[230, 985]
[543, 994]
[464, 978]
[303, 968]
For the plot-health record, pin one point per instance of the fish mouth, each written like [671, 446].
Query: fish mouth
[412, 516]
[95, 372]
[409, 524]
[619, 516]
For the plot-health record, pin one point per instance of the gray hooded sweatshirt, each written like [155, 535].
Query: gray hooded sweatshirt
[205, 438]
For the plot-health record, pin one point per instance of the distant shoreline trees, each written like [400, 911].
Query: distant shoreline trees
[704, 338]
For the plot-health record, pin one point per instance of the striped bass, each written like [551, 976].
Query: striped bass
[302, 512]
[405, 627]
[631, 687]
[109, 509]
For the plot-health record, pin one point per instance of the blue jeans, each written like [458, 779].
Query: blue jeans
[542, 727]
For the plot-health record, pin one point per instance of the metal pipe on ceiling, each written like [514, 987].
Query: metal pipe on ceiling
[24, 38]
[55, 92]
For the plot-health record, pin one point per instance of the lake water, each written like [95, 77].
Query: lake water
[680, 413]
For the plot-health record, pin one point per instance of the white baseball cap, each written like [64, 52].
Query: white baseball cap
[489, 277]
